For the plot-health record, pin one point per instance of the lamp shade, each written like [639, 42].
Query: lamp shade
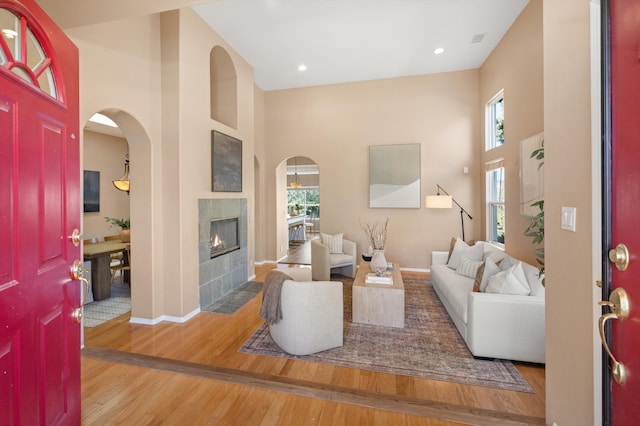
[122, 185]
[439, 202]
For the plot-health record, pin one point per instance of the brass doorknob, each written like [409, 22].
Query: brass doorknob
[619, 305]
[620, 256]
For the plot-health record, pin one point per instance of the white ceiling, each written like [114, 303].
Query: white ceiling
[355, 40]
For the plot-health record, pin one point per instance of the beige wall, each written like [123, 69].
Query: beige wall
[335, 125]
[148, 74]
[120, 76]
[572, 350]
[105, 154]
[516, 65]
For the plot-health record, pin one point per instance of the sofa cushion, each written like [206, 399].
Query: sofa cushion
[452, 244]
[462, 249]
[511, 281]
[468, 267]
[340, 259]
[333, 242]
[489, 269]
[453, 287]
[534, 279]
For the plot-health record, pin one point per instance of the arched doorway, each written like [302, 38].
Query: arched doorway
[140, 213]
[302, 208]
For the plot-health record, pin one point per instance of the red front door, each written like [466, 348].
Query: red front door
[39, 208]
[624, 131]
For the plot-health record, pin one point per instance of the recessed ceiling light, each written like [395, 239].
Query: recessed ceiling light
[302, 67]
[438, 51]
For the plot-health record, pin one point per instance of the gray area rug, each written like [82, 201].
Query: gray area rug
[429, 346]
[236, 299]
[98, 312]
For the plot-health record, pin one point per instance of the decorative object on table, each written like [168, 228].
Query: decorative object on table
[368, 254]
[125, 227]
[123, 184]
[378, 262]
[374, 278]
[226, 163]
[394, 176]
[91, 197]
[440, 201]
[377, 237]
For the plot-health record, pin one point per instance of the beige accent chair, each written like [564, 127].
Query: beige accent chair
[323, 262]
[312, 314]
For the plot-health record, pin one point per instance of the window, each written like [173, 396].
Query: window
[495, 201]
[304, 201]
[495, 122]
[22, 54]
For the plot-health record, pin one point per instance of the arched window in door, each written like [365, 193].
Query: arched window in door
[23, 55]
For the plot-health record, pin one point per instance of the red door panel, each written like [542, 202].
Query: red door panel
[625, 193]
[39, 209]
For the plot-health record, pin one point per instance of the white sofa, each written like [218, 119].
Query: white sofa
[493, 325]
[312, 314]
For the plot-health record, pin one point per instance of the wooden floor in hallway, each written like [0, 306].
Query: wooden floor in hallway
[192, 373]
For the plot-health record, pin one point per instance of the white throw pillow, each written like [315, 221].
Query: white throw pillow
[462, 249]
[490, 269]
[333, 242]
[468, 267]
[512, 281]
[534, 279]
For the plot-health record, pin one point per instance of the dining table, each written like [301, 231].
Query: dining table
[99, 254]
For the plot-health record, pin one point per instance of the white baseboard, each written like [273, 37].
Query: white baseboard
[252, 277]
[169, 318]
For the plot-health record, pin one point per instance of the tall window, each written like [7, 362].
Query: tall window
[495, 201]
[495, 122]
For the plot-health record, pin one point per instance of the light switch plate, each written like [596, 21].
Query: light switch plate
[569, 218]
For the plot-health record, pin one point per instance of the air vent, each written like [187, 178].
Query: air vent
[477, 38]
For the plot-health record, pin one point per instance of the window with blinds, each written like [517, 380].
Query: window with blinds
[495, 196]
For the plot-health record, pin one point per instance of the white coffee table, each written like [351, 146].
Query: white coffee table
[378, 304]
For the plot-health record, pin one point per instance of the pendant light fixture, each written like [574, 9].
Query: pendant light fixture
[123, 183]
[295, 183]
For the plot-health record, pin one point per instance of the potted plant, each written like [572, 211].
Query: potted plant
[535, 229]
[124, 225]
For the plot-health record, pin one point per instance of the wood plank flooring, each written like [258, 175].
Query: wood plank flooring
[191, 373]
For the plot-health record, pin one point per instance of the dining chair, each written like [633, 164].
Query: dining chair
[116, 258]
[125, 265]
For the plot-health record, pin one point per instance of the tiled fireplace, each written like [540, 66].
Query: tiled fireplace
[222, 247]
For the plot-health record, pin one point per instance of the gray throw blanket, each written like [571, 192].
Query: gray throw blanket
[271, 309]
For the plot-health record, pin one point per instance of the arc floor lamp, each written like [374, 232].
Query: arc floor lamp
[446, 201]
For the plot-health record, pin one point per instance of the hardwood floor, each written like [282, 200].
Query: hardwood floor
[191, 373]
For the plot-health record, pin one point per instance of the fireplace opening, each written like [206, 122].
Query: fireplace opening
[224, 236]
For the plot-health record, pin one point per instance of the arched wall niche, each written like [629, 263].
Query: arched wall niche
[224, 87]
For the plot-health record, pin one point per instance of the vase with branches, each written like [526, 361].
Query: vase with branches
[376, 233]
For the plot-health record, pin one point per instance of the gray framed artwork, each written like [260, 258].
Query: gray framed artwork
[91, 199]
[394, 176]
[226, 163]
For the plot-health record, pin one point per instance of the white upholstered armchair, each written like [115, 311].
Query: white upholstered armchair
[312, 314]
[341, 258]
